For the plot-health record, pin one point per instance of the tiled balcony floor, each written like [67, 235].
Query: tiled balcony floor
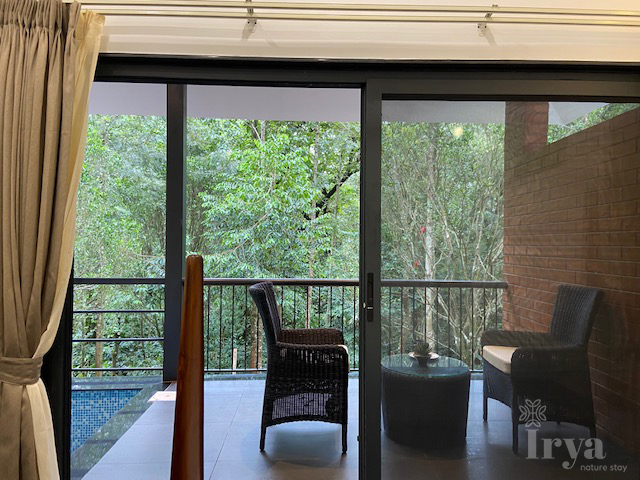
[311, 450]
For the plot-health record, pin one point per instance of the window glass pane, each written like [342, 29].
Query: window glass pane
[500, 223]
[120, 234]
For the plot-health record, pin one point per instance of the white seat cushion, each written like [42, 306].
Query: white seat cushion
[499, 357]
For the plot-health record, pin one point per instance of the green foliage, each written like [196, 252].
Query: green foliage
[558, 132]
[121, 201]
[256, 208]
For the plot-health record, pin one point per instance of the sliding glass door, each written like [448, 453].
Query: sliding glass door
[485, 215]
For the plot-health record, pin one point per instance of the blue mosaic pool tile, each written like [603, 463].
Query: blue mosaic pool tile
[91, 409]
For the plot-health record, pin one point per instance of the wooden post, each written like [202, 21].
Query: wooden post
[187, 460]
[234, 361]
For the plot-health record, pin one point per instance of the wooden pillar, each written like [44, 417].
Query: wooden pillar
[187, 460]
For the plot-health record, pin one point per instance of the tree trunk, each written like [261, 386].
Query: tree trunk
[114, 355]
[142, 344]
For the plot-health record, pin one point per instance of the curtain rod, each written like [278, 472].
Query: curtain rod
[362, 7]
[249, 10]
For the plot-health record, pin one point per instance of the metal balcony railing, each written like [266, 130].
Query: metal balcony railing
[451, 315]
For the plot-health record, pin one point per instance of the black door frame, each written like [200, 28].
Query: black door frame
[378, 81]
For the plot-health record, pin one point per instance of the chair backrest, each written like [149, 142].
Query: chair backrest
[573, 314]
[265, 299]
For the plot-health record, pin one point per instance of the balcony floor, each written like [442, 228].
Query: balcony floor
[311, 450]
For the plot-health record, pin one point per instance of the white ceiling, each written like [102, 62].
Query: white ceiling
[349, 40]
[303, 104]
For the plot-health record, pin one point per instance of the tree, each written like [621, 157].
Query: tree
[441, 219]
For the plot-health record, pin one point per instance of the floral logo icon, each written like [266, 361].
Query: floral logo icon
[532, 412]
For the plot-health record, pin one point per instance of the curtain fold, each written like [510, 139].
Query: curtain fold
[48, 53]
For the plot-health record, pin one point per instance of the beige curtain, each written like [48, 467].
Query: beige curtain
[48, 53]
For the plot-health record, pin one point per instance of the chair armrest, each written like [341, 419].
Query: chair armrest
[506, 338]
[312, 336]
[558, 375]
[307, 359]
[549, 363]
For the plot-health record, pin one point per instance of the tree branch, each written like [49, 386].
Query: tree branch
[323, 204]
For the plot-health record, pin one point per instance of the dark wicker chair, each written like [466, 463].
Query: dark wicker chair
[552, 367]
[307, 370]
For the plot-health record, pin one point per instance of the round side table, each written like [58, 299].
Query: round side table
[425, 407]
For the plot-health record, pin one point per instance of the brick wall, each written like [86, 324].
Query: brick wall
[572, 215]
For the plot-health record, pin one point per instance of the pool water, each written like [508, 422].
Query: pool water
[91, 409]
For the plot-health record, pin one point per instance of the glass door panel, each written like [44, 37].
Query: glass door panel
[488, 208]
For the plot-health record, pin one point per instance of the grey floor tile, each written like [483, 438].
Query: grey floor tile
[160, 412]
[138, 471]
[265, 468]
[225, 387]
[220, 408]
[249, 408]
[142, 444]
[215, 434]
[415, 468]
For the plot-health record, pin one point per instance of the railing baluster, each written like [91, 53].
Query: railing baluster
[208, 338]
[342, 314]
[484, 309]
[295, 312]
[413, 312]
[461, 337]
[437, 318]
[319, 310]
[449, 349]
[355, 296]
[258, 343]
[401, 320]
[425, 314]
[473, 343]
[307, 303]
[233, 322]
[389, 325]
[282, 304]
[246, 309]
[220, 343]
[496, 308]
[330, 306]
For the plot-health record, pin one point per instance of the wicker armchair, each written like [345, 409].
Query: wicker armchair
[552, 367]
[307, 370]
